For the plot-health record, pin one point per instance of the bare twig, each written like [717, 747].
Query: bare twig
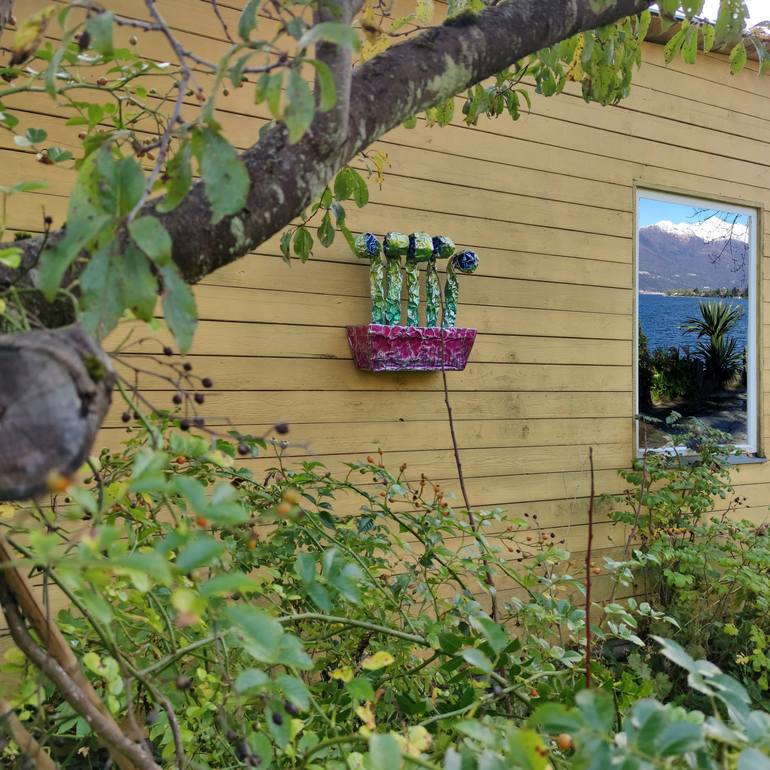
[490, 580]
[225, 29]
[589, 552]
[26, 742]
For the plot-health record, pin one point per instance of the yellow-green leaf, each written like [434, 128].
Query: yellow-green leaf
[378, 660]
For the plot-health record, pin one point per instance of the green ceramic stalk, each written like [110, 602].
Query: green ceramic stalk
[420, 250]
[412, 272]
[368, 247]
[464, 262]
[377, 289]
[395, 246]
[442, 248]
[432, 294]
[393, 299]
[451, 293]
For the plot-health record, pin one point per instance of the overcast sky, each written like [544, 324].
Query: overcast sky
[759, 10]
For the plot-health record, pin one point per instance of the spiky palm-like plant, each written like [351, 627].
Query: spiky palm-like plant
[722, 359]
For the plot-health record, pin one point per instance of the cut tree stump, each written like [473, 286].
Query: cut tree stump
[55, 389]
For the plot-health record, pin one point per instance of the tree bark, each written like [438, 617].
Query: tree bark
[55, 388]
[384, 92]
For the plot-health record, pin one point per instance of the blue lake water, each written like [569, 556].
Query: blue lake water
[661, 318]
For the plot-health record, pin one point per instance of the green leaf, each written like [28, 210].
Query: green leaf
[478, 659]
[102, 299]
[527, 747]
[225, 178]
[753, 759]
[325, 81]
[11, 257]
[286, 245]
[305, 567]
[179, 182]
[709, 35]
[331, 32]
[59, 154]
[248, 20]
[326, 231]
[671, 48]
[99, 26]
[300, 106]
[192, 490]
[35, 135]
[360, 189]
[690, 45]
[360, 688]
[597, 709]
[303, 243]
[228, 583]
[555, 718]
[269, 90]
[178, 306]
[384, 752]
[262, 631]
[676, 653]
[344, 184]
[7, 119]
[153, 564]
[679, 738]
[140, 289]
[152, 238]
[494, 634]
[201, 551]
[295, 690]
[645, 19]
[738, 58]
[251, 679]
[730, 20]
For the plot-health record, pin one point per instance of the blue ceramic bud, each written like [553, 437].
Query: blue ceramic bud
[465, 261]
[367, 246]
[443, 247]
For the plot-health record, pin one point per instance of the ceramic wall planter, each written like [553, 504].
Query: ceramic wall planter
[380, 348]
[385, 345]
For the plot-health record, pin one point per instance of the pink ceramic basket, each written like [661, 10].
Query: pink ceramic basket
[378, 348]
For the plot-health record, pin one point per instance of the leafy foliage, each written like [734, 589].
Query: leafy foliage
[719, 352]
[310, 620]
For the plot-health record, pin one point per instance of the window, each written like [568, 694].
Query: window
[696, 310]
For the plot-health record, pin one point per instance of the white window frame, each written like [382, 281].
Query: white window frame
[752, 357]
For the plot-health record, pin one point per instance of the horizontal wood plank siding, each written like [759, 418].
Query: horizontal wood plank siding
[548, 203]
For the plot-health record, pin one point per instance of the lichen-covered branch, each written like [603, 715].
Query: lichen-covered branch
[385, 91]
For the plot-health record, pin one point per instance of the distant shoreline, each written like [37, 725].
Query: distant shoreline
[691, 295]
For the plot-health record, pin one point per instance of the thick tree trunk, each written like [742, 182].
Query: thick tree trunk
[55, 388]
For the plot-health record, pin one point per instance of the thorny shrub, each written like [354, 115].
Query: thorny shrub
[283, 617]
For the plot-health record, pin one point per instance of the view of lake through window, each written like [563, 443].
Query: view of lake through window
[695, 302]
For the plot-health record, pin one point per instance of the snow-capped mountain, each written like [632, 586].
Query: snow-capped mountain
[709, 254]
[711, 229]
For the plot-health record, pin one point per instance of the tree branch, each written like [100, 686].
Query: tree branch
[101, 723]
[384, 92]
[26, 742]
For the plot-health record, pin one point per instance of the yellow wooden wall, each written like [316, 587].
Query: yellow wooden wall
[547, 202]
